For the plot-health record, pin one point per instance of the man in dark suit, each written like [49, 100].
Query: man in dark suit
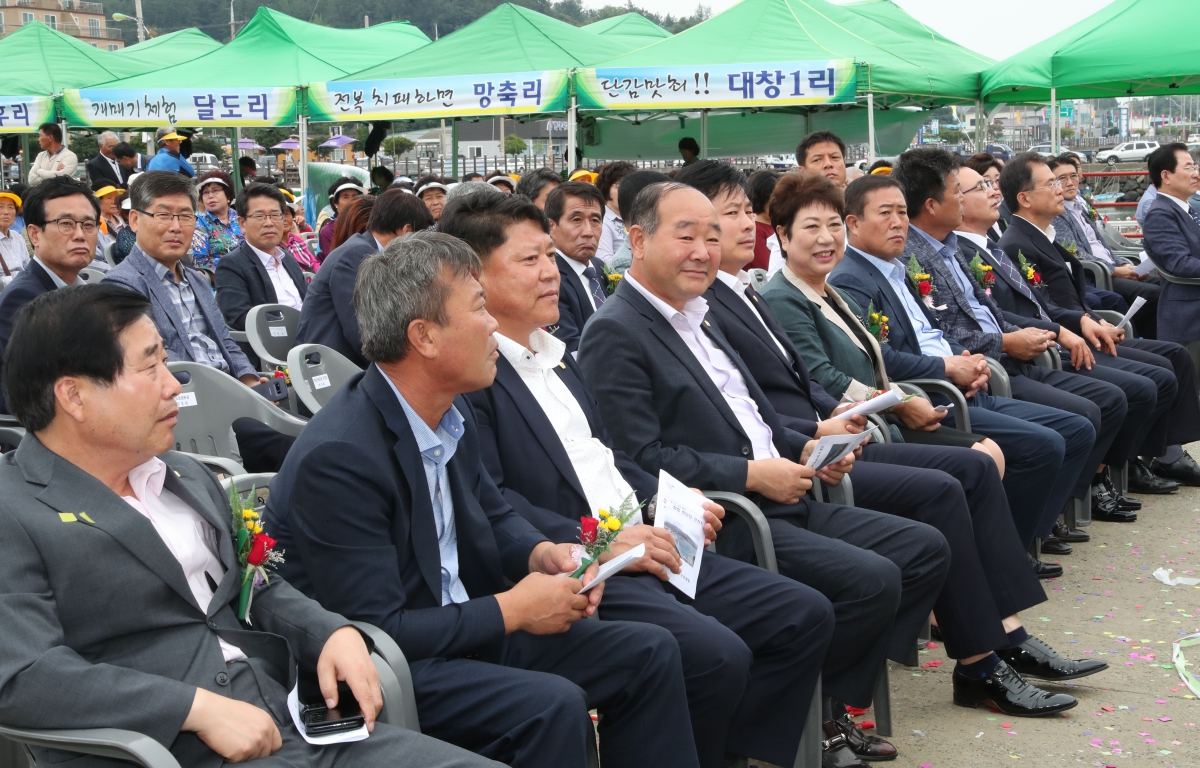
[675, 397]
[1033, 193]
[1173, 239]
[956, 490]
[50, 208]
[576, 213]
[259, 271]
[130, 159]
[429, 541]
[1015, 298]
[752, 642]
[120, 580]
[328, 314]
[930, 178]
[1045, 449]
[105, 165]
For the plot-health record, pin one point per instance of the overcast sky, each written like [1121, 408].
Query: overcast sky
[1010, 26]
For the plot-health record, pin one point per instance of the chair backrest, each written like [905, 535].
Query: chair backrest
[758, 278]
[108, 254]
[258, 483]
[999, 384]
[1099, 274]
[209, 404]
[271, 330]
[1170, 278]
[90, 276]
[317, 373]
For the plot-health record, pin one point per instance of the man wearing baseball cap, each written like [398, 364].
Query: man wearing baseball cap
[13, 253]
[168, 157]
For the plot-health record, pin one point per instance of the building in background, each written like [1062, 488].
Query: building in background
[72, 17]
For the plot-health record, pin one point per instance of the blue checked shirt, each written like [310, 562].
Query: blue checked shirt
[204, 348]
[437, 448]
[931, 340]
[947, 251]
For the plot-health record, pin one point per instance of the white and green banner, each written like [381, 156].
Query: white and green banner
[23, 114]
[155, 107]
[512, 93]
[773, 84]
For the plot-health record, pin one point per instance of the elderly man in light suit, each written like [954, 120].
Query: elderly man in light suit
[118, 576]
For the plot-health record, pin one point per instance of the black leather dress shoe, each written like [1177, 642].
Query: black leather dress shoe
[869, 748]
[835, 749]
[1123, 502]
[1142, 480]
[1183, 470]
[1045, 570]
[1034, 658]
[1104, 507]
[1056, 546]
[1070, 535]
[1007, 691]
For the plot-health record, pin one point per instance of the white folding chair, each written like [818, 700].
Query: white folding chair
[90, 276]
[317, 373]
[271, 331]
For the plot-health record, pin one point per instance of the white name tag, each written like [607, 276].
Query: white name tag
[278, 330]
[321, 381]
[184, 399]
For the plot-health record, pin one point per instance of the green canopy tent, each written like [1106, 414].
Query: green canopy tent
[511, 61]
[634, 30]
[169, 49]
[897, 63]
[1120, 50]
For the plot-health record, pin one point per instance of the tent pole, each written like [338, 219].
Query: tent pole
[237, 155]
[1054, 121]
[572, 155]
[704, 134]
[302, 166]
[870, 128]
[454, 145]
[980, 127]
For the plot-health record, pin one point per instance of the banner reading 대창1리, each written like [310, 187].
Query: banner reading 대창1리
[155, 107]
[511, 93]
[775, 84]
[23, 114]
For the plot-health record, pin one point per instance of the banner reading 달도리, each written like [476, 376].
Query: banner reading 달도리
[155, 107]
[507, 93]
[23, 114]
[774, 84]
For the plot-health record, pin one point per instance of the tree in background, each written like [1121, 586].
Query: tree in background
[1067, 133]
[395, 146]
[995, 132]
[513, 144]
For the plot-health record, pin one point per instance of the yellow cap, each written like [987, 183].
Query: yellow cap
[882, 170]
[12, 196]
[108, 190]
[582, 175]
[172, 136]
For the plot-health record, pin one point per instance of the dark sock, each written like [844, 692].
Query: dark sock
[1174, 453]
[979, 668]
[1016, 637]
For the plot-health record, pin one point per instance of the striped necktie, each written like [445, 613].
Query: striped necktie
[1012, 273]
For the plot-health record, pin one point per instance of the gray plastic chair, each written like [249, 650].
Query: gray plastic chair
[999, 384]
[1048, 359]
[1115, 241]
[271, 331]
[108, 254]
[758, 278]
[395, 680]
[317, 373]
[90, 276]
[209, 404]
[1115, 318]
[923, 387]
[1099, 274]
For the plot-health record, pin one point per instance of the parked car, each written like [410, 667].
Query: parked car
[1000, 151]
[1129, 152]
[1045, 151]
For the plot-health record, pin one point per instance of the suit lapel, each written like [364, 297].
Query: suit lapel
[765, 411]
[570, 279]
[883, 288]
[183, 481]
[933, 261]
[728, 298]
[424, 528]
[510, 381]
[145, 265]
[268, 286]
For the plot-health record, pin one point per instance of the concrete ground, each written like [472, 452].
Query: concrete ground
[1107, 605]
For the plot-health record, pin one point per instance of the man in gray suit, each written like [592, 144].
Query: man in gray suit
[118, 575]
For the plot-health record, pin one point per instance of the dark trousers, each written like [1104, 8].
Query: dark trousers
[1180, 425]
[1145, 322]
[1098, 298]
[1045, 450]
[958, 492]
[882, 574]
[262, 448]
[752, 645]
[531, 708]
[1099, 402]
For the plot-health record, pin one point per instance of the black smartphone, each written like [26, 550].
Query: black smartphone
[319, 720]
[274, 390]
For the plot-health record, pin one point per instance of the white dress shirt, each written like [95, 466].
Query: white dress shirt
[1099, 249]
[725, 375]
[112, 161]
[579, 266]
[286, 292]
[593, 462]
[612, 236]
[739, 283]
[777, 259]
[58, 281]
[1181, 203]
[13, 253]
[185, 532]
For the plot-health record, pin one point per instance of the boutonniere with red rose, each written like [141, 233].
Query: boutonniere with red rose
[1031, 275]
[983, 274]
[921, 281]
[597, 534]
[255, 550]
[877, 324]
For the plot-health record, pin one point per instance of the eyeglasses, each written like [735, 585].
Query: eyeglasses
[1056, 184]
[186, 219]
[259, 218]
[66, 225]
[1070, 178]
[984, 184]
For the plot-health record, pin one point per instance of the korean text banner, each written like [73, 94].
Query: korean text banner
[155, 107]
[23, 114]
[511, 93]
[775, 84]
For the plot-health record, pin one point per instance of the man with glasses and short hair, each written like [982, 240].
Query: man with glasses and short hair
[62, 219]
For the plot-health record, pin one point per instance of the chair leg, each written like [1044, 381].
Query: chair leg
[1069, 517]
[1120, 478]
[882, 702]
[809, 753]
[1083, 511]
